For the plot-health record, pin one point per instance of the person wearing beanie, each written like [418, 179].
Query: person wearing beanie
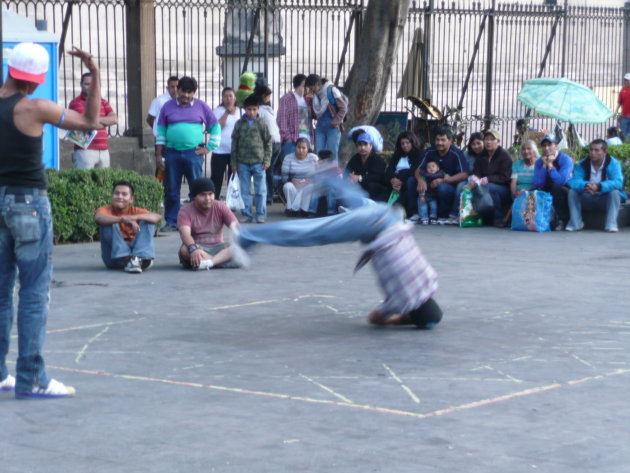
[126, 232]
[27, 235]
[407, 279]
[200, 224]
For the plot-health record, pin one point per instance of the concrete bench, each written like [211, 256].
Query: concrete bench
[597, 220]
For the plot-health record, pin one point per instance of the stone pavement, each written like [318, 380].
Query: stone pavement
[276, 370]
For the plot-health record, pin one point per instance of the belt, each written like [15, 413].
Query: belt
[16, 190]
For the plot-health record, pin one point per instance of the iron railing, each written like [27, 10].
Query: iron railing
[515, 42]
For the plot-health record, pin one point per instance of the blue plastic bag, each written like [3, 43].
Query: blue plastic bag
[532, 211]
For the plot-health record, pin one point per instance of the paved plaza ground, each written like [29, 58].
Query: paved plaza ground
[276, 370]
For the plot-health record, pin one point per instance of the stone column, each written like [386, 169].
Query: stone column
[140, 67]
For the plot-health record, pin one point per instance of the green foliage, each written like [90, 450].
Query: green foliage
[76, 193]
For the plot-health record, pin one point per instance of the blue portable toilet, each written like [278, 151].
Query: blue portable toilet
[20, 29]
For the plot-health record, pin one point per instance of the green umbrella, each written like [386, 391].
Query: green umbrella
[564, 100]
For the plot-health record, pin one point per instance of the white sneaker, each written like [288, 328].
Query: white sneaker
[54, 390]
[414, 218]
[134, 265]
[424, 221]
[571, 228]
[8, 384]
[205, 264]
[612, 229]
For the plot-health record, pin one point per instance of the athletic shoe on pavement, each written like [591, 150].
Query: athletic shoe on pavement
[54, 390]
[8, 384]
[134, 265]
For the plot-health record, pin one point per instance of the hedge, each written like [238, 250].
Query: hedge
[76, 193]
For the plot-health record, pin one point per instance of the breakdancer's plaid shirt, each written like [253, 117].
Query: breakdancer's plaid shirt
[406, 277]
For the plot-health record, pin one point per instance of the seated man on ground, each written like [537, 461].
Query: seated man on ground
[126, 231]
[200, 225]
[366, 168]
[597, 184]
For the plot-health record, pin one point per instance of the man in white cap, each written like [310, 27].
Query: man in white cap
[26, 236]
[623, 103]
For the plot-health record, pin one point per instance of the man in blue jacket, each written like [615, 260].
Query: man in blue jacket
[597, 184]
[551, 174]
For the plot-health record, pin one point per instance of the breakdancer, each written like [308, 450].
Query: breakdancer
[407, 279]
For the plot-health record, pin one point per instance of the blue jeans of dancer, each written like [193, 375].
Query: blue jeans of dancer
[26, 241]
[363, 223]
[245, 174]
[327, 137]
[608, 202]
[178, 163]
[428, 208]
[115, 250]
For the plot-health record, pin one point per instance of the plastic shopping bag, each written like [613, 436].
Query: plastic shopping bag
[532, 211]
[233, 197]
[482, 200]
[468, 216]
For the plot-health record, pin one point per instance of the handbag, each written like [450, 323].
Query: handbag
[482, 201]
[532, 211]
[233, 197]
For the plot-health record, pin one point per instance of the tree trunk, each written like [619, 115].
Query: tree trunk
[378, 45]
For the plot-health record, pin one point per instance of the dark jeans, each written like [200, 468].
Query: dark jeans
[501, 198]
[179, 163]
[275, 156]
[218, 163]
[560, 194]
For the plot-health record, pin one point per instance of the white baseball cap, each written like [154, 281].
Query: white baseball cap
[29, 62]
[627, 76]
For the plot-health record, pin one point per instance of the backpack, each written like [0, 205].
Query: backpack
[331, 96]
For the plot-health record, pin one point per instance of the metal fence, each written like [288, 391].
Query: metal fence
[515, 42]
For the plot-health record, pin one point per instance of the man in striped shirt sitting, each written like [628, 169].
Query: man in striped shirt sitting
[180, 141]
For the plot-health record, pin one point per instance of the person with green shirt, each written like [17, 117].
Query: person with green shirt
[180, 149]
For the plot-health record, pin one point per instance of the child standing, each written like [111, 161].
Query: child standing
[251, 157]
[427, 202]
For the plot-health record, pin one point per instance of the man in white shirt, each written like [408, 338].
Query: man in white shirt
[158, 102]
